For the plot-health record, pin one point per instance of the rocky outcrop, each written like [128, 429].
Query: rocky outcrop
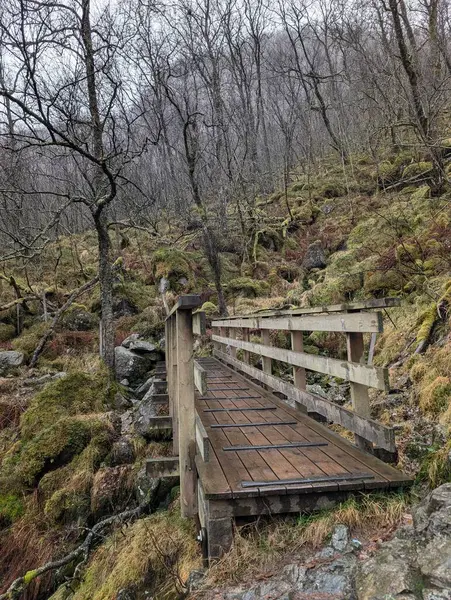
[132, 366]
[10, 360]
[328, 575]
[416, 564]
[134, 359]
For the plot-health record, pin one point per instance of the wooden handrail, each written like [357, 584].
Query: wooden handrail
[363, 305]
[374, 377]
[353, 320]
[369, 429]
[370, 322]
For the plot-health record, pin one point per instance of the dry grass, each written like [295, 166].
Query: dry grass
[158, 551]
[261, 547]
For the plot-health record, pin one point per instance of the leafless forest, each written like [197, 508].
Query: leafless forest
[129, 112]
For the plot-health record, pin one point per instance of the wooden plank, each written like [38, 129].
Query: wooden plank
[233, 467]
[213, 479]
[202, 441]
[369, 322]
[199, 323]
[372, 430]
[186, 302]
[359, 393]
[160, 423]
[284, 467]
[200, 378]
[167, 466]
[186, 413]
[363, 305]
[350, 371]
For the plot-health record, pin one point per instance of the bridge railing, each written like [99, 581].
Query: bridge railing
[353, 320]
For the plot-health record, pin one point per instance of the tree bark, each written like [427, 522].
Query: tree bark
[106, 290]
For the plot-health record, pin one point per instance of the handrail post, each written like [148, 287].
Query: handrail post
[180, 361]
[186, 412]
[359, 393]
[266, 362]
[246, 353]
[297, 344]
[173, 391]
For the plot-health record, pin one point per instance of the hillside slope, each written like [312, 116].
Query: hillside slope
[341, 233]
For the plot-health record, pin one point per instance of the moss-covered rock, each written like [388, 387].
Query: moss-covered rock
[67, 506]
[210, 309]
[171, 263]
[245, 286]
[416, 169]
[422, 193]
[11, 508]
[76, 394]
[333, 188]
[77, 318]
[382, 281]
[386, 172]
[53, 447]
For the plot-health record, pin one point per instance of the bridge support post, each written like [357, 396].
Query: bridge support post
[172, 380]
[184, 398]
[216, 518]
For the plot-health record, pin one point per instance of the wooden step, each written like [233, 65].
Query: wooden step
[165, 466]
[162, 423]
[160, 399]
[160, 386]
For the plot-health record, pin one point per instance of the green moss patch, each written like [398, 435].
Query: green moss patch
[53, 447]
[76, 394]
[11, 508]
[245, 286]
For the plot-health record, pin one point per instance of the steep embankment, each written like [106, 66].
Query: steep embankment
[72, 446]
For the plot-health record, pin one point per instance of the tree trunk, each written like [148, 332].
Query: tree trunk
[106, 290]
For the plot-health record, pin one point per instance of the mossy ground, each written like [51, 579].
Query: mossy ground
[382, 234]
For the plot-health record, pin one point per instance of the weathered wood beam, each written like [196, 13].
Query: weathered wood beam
[370, 376]
[367, 428]
[167, 466]
[202, 440]
[199, 323]
[363, 305]
[200, 378]
[186, 302]
[362, 322]
[186, 412]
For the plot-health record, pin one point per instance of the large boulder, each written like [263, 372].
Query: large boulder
[79, 319]
[432, 517]
[390, 573]
[142, 347]
[10, 360]
[131, 365]
[315, 257]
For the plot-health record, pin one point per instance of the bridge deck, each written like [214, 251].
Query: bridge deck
[296, 455]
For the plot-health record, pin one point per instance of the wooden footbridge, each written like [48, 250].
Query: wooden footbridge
[247, 442]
